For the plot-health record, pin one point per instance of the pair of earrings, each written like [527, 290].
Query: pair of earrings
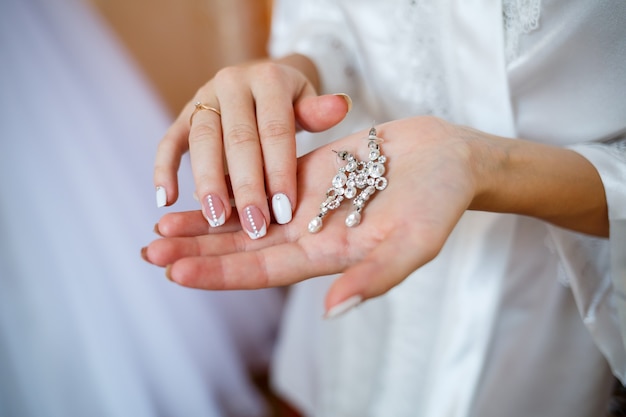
[357, 181]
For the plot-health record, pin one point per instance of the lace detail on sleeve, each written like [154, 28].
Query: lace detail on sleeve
[520, 17]
[420, 72]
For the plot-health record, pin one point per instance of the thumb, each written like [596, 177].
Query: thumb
[394, 259]
[318, 113]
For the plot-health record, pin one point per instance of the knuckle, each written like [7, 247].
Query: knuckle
[270, 71]
[239, 242]
[203, 91]
[275, 130]
[248, 190]
[245, 186]
[203, 183]
[171, 145]
[162, 172]
[229, 75]
[240, 134]
[202, 133]
[279, 176]
[164, 146]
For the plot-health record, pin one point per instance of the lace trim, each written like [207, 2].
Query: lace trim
[520, 17]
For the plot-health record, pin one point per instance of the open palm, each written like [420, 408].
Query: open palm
[404, 226]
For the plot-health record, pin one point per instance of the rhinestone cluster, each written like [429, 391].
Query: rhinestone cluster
[357, 180]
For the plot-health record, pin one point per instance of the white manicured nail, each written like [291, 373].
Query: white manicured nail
[344, 306]
[161, 196]
[281, 208]
[347, 99]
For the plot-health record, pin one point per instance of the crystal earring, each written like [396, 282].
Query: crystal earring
[357, 180]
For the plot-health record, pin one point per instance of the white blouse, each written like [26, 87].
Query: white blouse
[515, 317]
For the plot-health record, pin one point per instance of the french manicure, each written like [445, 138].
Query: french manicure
[253, 222]
[161, 196]
[213, 210]
[281, 208]
[347, 99]
[344, 306]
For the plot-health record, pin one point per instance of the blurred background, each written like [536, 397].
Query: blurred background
[87, 88]
[87, 328]
[180, 44]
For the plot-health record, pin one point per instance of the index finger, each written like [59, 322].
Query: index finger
[273, 266]
[167, 160]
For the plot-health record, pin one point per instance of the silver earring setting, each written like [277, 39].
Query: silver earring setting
[357, 180]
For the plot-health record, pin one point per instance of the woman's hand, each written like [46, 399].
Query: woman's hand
[403, 227]
[250, 134]
[435, 170]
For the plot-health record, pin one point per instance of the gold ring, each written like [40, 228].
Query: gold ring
[200, 106]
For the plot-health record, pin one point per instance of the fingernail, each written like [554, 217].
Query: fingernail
[156, 230]
[144, 254]
[347, 99]
[213, 210]
[344, 306]
[281, 208]
[161, 196]
[254, 222]
[168, 272]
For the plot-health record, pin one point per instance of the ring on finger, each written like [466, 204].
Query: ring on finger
[200, 106]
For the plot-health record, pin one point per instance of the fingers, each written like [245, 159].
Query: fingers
[207, 164]
[169, 153]
[277, 130]
[188, 223]
[258, 127]
[192, 223]
[395, 239]
[253, 139]
[276, 265]
[165, 252]
[395, 258]
[243, 152]
[319, 113]
[231, 260]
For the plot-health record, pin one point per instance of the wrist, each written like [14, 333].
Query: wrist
[527, 178]
[489, 159]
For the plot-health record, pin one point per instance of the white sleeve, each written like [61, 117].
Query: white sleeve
[596, 268]
[318, 30]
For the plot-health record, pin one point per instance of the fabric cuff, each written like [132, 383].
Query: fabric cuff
[596, 268]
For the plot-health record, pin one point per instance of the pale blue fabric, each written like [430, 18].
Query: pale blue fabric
[87, 328]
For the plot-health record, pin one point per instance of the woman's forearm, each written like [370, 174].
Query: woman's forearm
[551, 183]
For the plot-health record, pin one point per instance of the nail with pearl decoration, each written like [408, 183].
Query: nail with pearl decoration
[357, 180]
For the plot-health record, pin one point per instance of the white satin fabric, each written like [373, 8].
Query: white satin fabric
[86, 327]
[514, 317]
